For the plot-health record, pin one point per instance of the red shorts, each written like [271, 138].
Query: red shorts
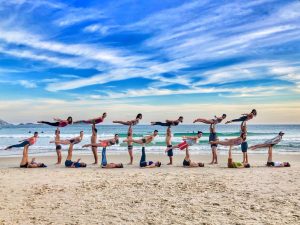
[183, 145]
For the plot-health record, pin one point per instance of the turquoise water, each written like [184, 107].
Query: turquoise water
[256, 134]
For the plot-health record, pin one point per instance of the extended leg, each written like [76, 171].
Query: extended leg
[104, 160]
[95, 153]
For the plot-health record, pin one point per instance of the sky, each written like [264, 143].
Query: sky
[161, 58]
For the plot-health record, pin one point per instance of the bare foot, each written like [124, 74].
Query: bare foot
[129, 163]
[58, 163]
[211, 163]
[95, 163]
[169, 164]
[215, 162]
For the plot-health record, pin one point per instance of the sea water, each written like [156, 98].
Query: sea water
[256, 134]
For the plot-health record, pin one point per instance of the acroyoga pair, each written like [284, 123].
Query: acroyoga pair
[188, 141]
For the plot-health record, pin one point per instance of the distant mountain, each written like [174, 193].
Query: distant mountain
[4, 123]
[26, 124]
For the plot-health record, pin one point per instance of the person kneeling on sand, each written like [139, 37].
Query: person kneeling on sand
[232, 164]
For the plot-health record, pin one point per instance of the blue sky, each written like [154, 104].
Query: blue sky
[162, 58]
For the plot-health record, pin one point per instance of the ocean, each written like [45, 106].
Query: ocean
[256, 134]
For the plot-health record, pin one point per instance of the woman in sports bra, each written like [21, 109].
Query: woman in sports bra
[232, 141]
[26, 142]
[104, 143]
[244, 117]
[169, 123]
[215, 120]
[25, 159]
[130, 122]
[97, 120]
[58, 122]
[144, 140]
[187, 141]
[74, 141]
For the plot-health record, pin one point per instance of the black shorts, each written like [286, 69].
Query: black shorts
[213, 145]
[58, 147]
[213, 136]
[186, 163]
[130, 147]
[143, 164]
[244, 146]
[24, 166]
[170, 152]
[144, 140]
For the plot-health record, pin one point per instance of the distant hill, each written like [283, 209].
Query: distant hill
[4, 123]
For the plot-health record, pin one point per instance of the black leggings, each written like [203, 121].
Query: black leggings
[241, 119]
[54, 124]
[162, 124]
[143, 162]
[23, 144]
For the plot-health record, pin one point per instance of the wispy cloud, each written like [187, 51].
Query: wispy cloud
[73, 16]
[27, 84]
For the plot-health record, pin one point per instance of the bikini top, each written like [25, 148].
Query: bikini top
[63, 123]
[32, 140]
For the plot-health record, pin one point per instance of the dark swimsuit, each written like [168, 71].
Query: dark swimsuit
[170, 152]
[69, 163]
[213, 137]
[186, 163]
[24, 166]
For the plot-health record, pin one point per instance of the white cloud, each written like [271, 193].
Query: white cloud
[73, 16]
[27, 84]
[98, 28]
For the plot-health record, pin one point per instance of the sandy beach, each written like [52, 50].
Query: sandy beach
[167, 195]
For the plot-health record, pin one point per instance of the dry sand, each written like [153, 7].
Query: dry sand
[166, 195]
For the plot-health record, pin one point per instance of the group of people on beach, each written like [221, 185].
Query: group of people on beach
[187, 141]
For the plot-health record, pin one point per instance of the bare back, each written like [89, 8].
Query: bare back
[168, 136]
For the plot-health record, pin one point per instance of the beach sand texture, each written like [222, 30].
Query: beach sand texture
[166, 195]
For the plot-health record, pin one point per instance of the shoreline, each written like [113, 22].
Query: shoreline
[255, 160]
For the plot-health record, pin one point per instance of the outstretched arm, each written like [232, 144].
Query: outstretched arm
[57, 119]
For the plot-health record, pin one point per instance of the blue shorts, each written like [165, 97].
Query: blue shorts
[244, 146]
[170, 152]
[69, 163]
